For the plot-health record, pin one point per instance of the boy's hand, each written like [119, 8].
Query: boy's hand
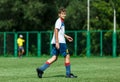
[57, 45]
[70, 39]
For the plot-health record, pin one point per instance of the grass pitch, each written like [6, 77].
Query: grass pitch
[87, 70]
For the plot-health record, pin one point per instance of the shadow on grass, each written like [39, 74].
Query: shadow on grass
[55, 76]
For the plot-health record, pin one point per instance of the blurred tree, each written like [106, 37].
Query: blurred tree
[6, 22]
[101, 16]
[76, 15]
[30, 14]
[39, 15]
[107, 1]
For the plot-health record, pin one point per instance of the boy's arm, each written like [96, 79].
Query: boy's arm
[23, 40]
[70, 39]
[56, 38]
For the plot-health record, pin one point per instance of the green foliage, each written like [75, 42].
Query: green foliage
[103, 18]
[33, 51]
[5, 17]
[76, 15]
[29, 15]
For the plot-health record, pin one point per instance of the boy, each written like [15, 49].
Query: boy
[20, 42]
[59, 46]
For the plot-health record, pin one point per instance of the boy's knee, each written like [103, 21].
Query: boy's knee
[54, 58]
[67, 56]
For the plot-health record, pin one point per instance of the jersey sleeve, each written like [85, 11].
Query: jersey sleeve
[58, 24]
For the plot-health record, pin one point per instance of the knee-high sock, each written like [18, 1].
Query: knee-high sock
[44, 66]
[68, 69]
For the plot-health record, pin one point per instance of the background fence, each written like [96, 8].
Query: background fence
[38, 43]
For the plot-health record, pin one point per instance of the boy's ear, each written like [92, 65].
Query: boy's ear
[59, 14]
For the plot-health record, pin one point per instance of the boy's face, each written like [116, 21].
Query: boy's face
[62, 15]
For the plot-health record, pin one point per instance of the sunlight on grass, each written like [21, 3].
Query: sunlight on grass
[87, 70]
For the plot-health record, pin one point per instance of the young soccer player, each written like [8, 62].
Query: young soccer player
[20, 42]
[58, 46]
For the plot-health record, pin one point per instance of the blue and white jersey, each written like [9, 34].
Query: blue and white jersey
[61, 27]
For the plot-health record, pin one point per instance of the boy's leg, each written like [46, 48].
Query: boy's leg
[68, 68]
[48, 62]
[19, 52]
[64, 51]
[41, 69]
[22, 52]
[67, 64]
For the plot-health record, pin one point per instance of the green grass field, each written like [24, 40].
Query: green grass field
[87, 69]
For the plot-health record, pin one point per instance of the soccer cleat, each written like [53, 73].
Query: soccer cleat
[71, 76]
[39, 73]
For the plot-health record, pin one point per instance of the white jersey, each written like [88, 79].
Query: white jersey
[61, 27]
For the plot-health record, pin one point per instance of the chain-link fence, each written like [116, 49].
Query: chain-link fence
[39, 43]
